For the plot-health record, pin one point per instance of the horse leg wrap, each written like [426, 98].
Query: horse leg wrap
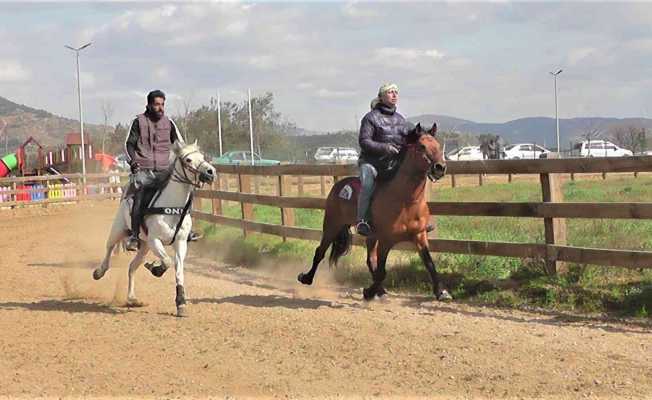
[181, 297]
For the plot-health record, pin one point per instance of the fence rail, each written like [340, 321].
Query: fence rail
[552, 210]
[49, 189]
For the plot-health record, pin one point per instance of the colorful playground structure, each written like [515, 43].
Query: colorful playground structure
[31, 159]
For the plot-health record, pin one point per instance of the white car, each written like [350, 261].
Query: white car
[524, 151]
[600, 148]
[467, 153]
[334, 154]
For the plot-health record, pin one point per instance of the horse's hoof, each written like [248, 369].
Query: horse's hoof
[134, 303]
[368, 294]
[305, 279]
[98, 274]
[444, 296]
[182, 311]
[156, 270]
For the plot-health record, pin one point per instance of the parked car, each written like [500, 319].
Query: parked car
[525, 151]
[467, 153]
[243, 158]
[600, 148]
[334, 154]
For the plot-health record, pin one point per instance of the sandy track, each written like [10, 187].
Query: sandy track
[260, 334]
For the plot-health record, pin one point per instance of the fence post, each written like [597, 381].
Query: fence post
[300, 185]
[453, 180]
[572, 176]
[287, 215]
[604, 175]
[322, 185]
[256, 184]
[509, 178]
[480, 180]
[244, 186]
[555, 228]
[226, 182]
[636, 174]
[217, 203]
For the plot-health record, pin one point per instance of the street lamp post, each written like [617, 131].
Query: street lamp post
[554, 74]
[81, 110]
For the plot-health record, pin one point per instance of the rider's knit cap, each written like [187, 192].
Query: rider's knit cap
[386, 87]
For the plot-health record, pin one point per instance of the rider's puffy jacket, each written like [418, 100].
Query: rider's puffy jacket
[380, 127]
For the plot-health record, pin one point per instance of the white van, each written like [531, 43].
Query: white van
[600, 148]
[335, 154]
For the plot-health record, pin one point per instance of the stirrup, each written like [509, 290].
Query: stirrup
[363, 228]
[194, 236]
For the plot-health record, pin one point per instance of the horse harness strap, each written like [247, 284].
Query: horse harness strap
[182, 212]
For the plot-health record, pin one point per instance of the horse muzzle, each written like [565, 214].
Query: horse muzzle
[206, 177]
[437, 171]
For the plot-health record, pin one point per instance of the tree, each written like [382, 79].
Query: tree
[107, 112]
[269, 128]
[631, 137]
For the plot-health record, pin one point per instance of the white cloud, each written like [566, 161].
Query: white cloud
[334, 94]
[407, 54]
[577, 55]
[12, 71]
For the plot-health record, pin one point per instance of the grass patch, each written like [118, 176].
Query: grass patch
[498, 281]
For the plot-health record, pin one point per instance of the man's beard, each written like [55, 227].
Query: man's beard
[155, 115]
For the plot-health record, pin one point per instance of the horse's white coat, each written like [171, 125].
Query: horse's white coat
[161, 227]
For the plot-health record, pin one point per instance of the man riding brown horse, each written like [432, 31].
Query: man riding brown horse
[148, 146]
[383, 133]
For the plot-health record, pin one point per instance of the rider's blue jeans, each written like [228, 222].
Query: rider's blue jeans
[368, 174]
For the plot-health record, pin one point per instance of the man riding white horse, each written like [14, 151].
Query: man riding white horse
[148, 145]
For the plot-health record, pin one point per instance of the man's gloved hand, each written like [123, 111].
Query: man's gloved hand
[391, 149]
[135, 167]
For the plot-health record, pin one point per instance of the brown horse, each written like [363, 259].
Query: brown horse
[399, 213]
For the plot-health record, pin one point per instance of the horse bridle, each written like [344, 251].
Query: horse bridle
[187, 167]
[431, 163]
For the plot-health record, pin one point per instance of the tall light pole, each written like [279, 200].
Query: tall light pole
[219, 121]
[251, 127]
[81, 110]
[554, 74]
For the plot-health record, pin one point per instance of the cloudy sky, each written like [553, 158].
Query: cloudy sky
[487, 62]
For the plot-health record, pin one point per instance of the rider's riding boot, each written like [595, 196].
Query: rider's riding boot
[194, 236]
[133, 243]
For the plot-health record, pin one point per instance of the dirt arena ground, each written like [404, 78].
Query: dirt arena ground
[259, 334]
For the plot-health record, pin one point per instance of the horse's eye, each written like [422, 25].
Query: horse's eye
[188, 160]
[423, 147]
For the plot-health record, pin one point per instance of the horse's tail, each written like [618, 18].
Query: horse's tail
[341, 245]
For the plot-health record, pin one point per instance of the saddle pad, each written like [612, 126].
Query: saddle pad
[348, 187]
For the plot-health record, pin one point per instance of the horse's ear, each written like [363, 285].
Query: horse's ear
[418, 129]
[433, 130]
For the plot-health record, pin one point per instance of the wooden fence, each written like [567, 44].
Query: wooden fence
[48, 189]
[552, 210]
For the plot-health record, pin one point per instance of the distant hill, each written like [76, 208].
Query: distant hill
[540, 130]
[49, 129]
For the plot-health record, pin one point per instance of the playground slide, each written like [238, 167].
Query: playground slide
[53, 171]
[8, 163]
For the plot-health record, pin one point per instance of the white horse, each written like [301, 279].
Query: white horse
[188, 171]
